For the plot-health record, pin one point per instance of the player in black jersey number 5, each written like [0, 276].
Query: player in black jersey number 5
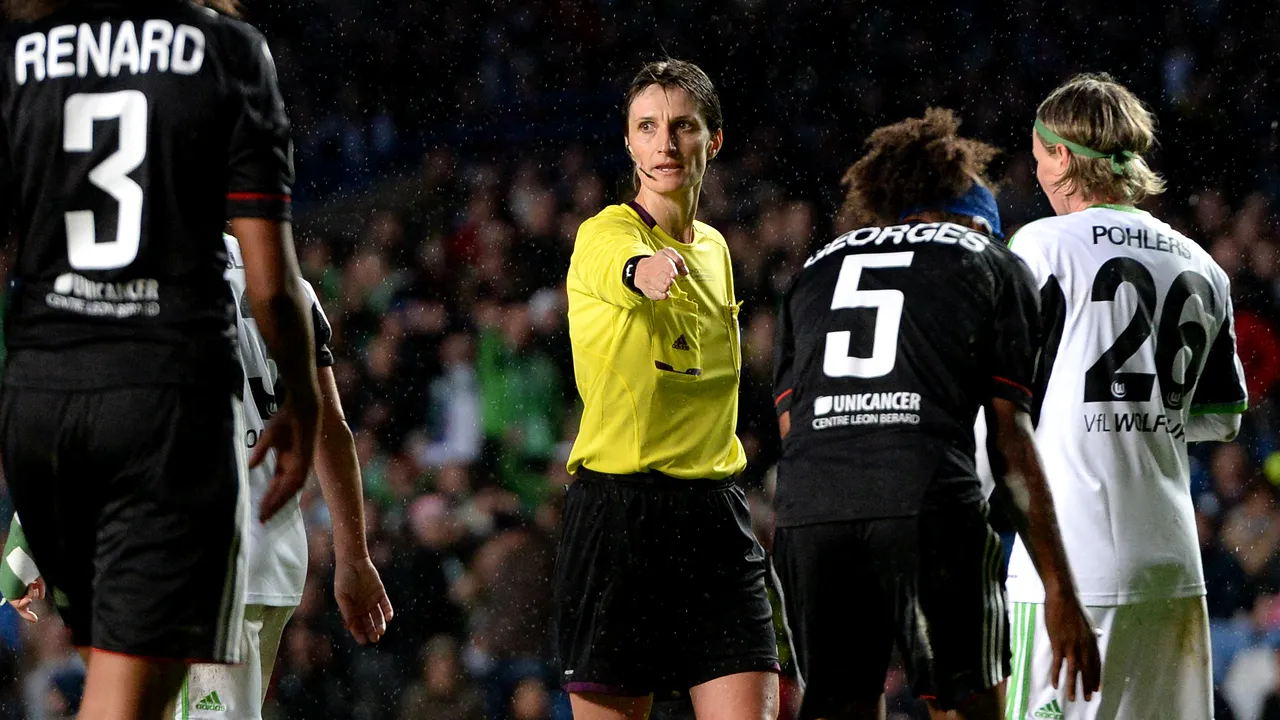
[132, 131]
[889, 342]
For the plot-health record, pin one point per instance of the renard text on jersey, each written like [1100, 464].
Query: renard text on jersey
[945, 233]
[68, 50]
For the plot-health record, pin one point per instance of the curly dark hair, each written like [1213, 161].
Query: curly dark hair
[912, 163]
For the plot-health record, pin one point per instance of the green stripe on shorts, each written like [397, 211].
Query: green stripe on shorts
[1024, 620]
[1015, 674]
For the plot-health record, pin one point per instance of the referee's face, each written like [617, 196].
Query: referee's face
[669, 140]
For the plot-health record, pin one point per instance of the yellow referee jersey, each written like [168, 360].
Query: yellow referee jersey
[659, 380]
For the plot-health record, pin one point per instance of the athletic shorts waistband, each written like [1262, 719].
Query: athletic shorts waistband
[656, 480]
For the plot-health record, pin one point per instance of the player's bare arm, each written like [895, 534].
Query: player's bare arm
[1020, 476]
[284, 319]
[366, 610]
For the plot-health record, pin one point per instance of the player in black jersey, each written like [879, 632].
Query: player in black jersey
[889, 341]
[133, 130]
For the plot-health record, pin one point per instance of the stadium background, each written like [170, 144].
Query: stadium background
[446, 153]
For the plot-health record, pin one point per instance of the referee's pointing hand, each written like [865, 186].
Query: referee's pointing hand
[656, 273]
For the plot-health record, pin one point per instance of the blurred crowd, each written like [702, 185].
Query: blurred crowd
[446, 154]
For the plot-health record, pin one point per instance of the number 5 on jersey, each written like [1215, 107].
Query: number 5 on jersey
[81, 111]
[887, 303]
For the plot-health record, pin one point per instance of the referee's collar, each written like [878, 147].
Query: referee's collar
[645, 217]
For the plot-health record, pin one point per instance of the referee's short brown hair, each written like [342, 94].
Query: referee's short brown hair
[672, 73]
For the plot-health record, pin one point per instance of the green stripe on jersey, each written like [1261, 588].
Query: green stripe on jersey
[1221, 408]
[1121, 208]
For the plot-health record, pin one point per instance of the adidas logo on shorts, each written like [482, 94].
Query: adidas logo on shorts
[680, 344]
[1050, 710]
[213, 703]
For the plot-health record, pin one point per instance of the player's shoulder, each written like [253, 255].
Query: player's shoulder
[223, 30]
[1043, 234]
[1189, 249]
[210, 19]
[1156, 234]
[1187, 245]
[209, 39]
[1051, 244]
[229, 39]
[235, 34]
[1003, 256]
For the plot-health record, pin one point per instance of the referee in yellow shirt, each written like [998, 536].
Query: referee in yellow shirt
[660, 583]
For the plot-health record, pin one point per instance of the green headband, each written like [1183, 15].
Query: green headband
[1119, 160]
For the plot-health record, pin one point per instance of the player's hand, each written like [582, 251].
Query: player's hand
[292, 433]
[1075, 643]
[365, 607]
[656, 273]
[35, 591]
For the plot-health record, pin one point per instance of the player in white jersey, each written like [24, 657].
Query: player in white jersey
[277, 554]
[1138, 359]
[277, 549]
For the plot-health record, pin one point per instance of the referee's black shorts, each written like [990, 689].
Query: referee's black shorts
[131, 502]
[659, 585]
[931, 583]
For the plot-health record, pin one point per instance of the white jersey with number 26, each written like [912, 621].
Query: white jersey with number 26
[1138, 342]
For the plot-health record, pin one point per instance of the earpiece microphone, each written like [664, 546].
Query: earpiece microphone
[637, 164]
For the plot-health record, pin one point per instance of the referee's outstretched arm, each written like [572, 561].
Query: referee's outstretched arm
[1019, 475]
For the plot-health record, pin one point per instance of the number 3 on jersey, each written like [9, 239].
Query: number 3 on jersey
[81, 111]
[836, 361]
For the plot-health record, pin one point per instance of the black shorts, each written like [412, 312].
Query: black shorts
[659, 585]
[929, 582]
[133, 504]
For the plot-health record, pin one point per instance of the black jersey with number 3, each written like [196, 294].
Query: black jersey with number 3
[888, 342]
[132, 130]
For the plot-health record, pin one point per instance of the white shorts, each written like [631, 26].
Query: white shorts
[1156, 664]
[236, 692]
